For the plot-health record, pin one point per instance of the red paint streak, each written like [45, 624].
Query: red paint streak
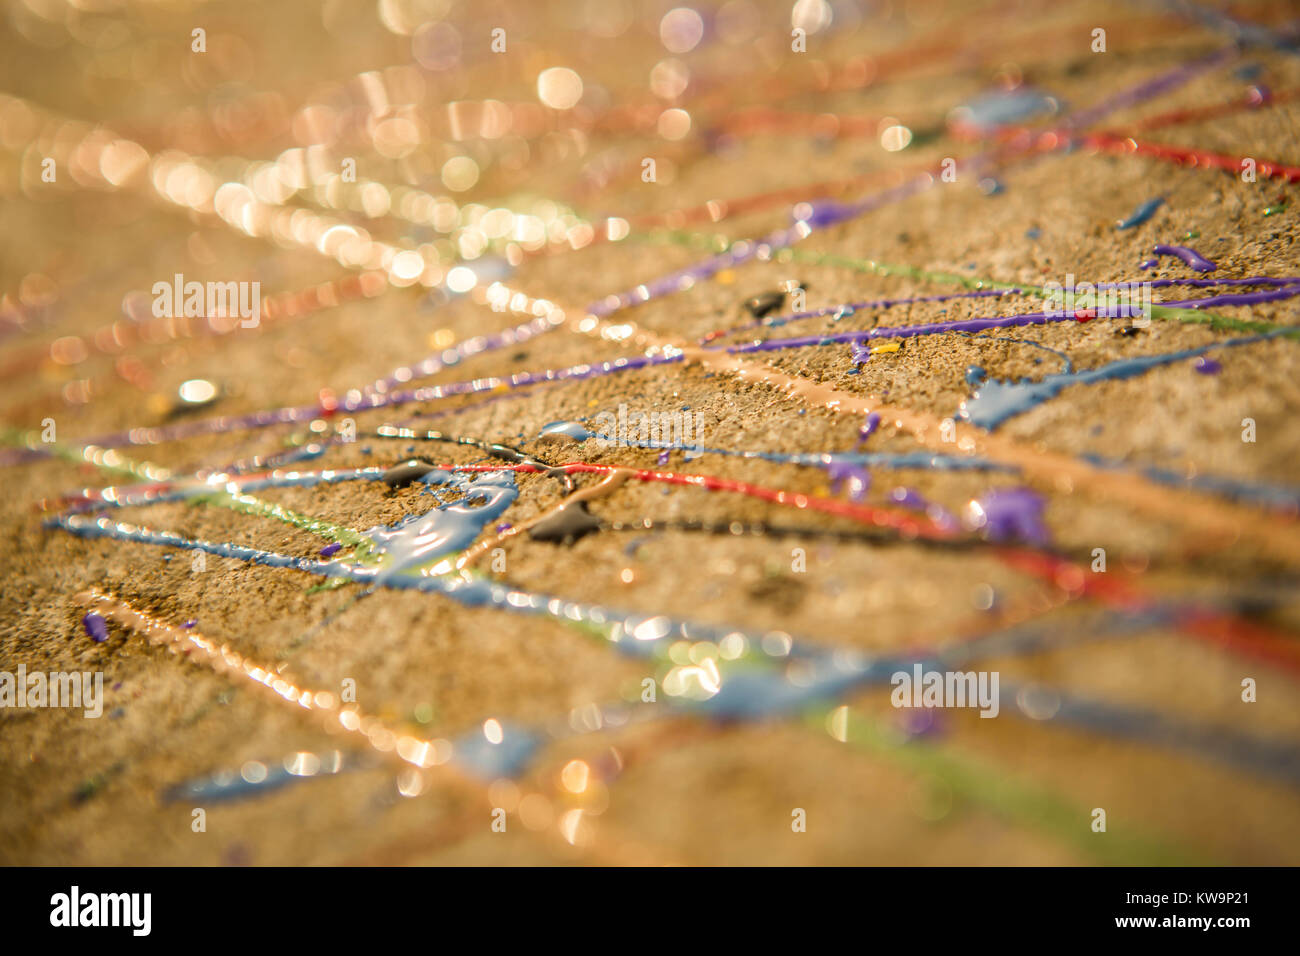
[905, 523]
[1186, 155]
[1118, 143]
[1252, 101]
[1113, 588]
[1118, 591]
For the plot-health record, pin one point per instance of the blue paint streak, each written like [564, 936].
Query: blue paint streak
[1258, 755]
[996, 402]
[229, 786]
[1282, 497]
[1141, 214]
[999, 108]
[448, 528]
[489, 761]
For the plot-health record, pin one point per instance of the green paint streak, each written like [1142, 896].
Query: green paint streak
[217, 496]
[250, 505]
[331, 584]
[121, 465]
[998, 792]
[974, 283]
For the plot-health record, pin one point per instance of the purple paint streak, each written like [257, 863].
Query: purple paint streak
[1189, 256]
[1162, 84]
[96, 627]
[851, 307]
[869, 427]
[847, 474]
[1011, 514]
[1001, 322]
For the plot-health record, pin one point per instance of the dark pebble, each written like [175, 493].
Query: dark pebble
[763, 305]
[568, 524]
[399, 476]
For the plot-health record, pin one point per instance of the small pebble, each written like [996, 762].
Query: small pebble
[765, 304]
[566, 525]
[399, 476]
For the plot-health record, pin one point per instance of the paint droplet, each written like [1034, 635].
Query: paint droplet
[1010, 514]
[1141, 214]
[96, 627]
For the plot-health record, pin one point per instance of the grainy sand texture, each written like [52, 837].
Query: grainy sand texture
[725, 328]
